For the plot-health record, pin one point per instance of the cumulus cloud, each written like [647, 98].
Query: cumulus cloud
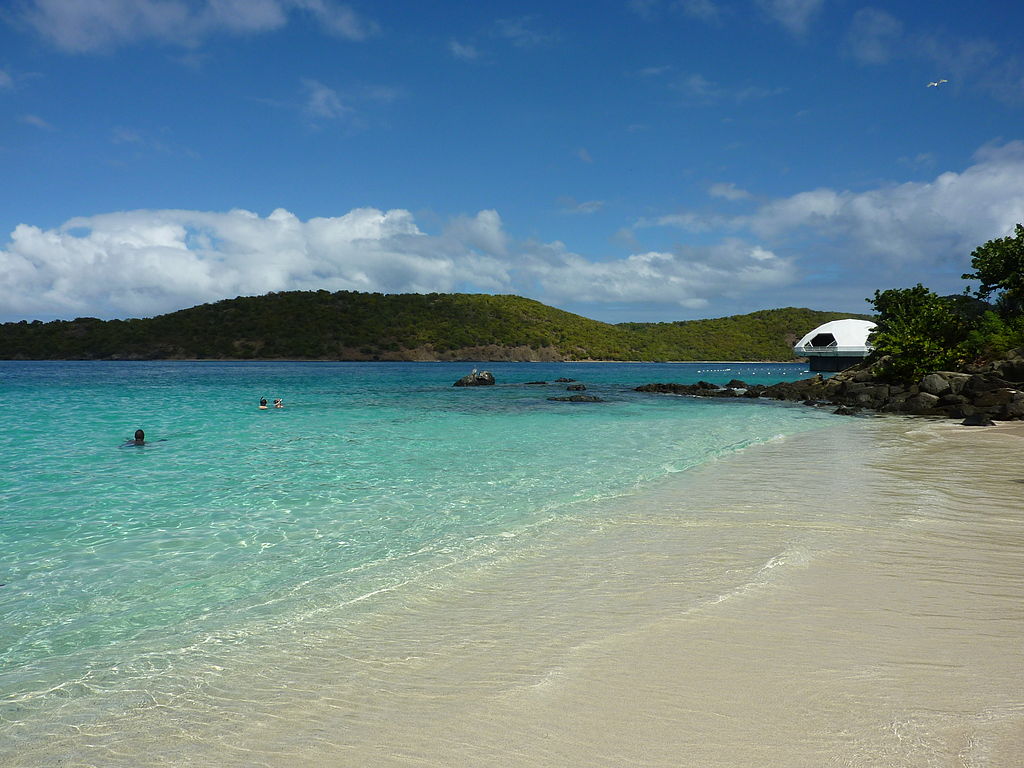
[917, 221]
[141, 263]
[687, 276]
[80, 26]
[901, 227]
[146, 262]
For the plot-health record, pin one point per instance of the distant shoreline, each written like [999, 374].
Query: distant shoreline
[425, 362]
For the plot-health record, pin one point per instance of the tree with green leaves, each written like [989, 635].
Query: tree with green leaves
[918, 332]
[999, 267]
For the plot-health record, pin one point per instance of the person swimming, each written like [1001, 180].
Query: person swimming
[278, 402]
[263, 403]
[139, 439]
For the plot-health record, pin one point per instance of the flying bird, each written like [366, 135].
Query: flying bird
[936, 83]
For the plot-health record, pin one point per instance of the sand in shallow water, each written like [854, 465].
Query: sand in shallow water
[851, 597]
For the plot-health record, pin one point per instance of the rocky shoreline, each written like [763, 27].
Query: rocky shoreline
[977, 394]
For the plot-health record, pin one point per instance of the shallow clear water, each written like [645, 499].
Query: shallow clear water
[231, 518]
[393, 571]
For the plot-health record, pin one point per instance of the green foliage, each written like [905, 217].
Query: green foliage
[918, 331]
[319, 325]
[999, 267]
[993, 336]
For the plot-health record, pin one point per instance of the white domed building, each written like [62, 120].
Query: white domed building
[836, 345]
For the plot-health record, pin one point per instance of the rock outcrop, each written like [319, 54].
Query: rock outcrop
[993, 391]
[475, 379]
[578, 399]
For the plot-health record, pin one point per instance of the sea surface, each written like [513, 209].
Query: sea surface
[356, 577]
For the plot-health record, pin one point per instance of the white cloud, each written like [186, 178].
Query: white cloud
[938, 221]
[79, 26]
[337, 19]
[6, 81]
[464, 51]
[322, 101]
[141, 263]
[585, 208]
[793, 15]
[728, 191]
[37, 122]
[902, 227]
[147, 262]
[688, 277]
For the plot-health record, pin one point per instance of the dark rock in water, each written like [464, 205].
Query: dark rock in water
[736, 384]
[577, 388]
[846, 410]
[530, 383]
[700, 389]
[978, 420]
[563, 381]
[577, 399]
[475, 379]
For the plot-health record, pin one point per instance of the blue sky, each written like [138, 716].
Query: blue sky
[623, 159]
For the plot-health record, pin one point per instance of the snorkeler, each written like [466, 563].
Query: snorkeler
[278, 402]
[139, 439]
[263, 403]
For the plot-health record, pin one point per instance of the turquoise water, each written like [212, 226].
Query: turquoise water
[126, 568]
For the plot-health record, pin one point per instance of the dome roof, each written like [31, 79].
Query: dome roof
[838, 336]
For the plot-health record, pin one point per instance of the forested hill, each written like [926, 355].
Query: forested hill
[319, 325]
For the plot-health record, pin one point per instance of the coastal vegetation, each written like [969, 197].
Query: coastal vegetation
[918, 331]
[347, 325]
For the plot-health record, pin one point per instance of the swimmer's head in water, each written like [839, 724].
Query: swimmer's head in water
[140, 435]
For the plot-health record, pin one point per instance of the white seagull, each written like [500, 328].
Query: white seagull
[936, 83]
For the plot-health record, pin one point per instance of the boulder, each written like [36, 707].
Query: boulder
[563, 381]
[577, 388]
[1013, 367]
[1012, 411]
[922, 404]
[935, 384]
[577, 399]
[994, 397]
[475, 379]
[978, 420]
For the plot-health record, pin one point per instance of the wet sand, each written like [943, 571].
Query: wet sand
[849, 597]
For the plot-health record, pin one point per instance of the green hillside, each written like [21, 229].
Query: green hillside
[319, 325]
